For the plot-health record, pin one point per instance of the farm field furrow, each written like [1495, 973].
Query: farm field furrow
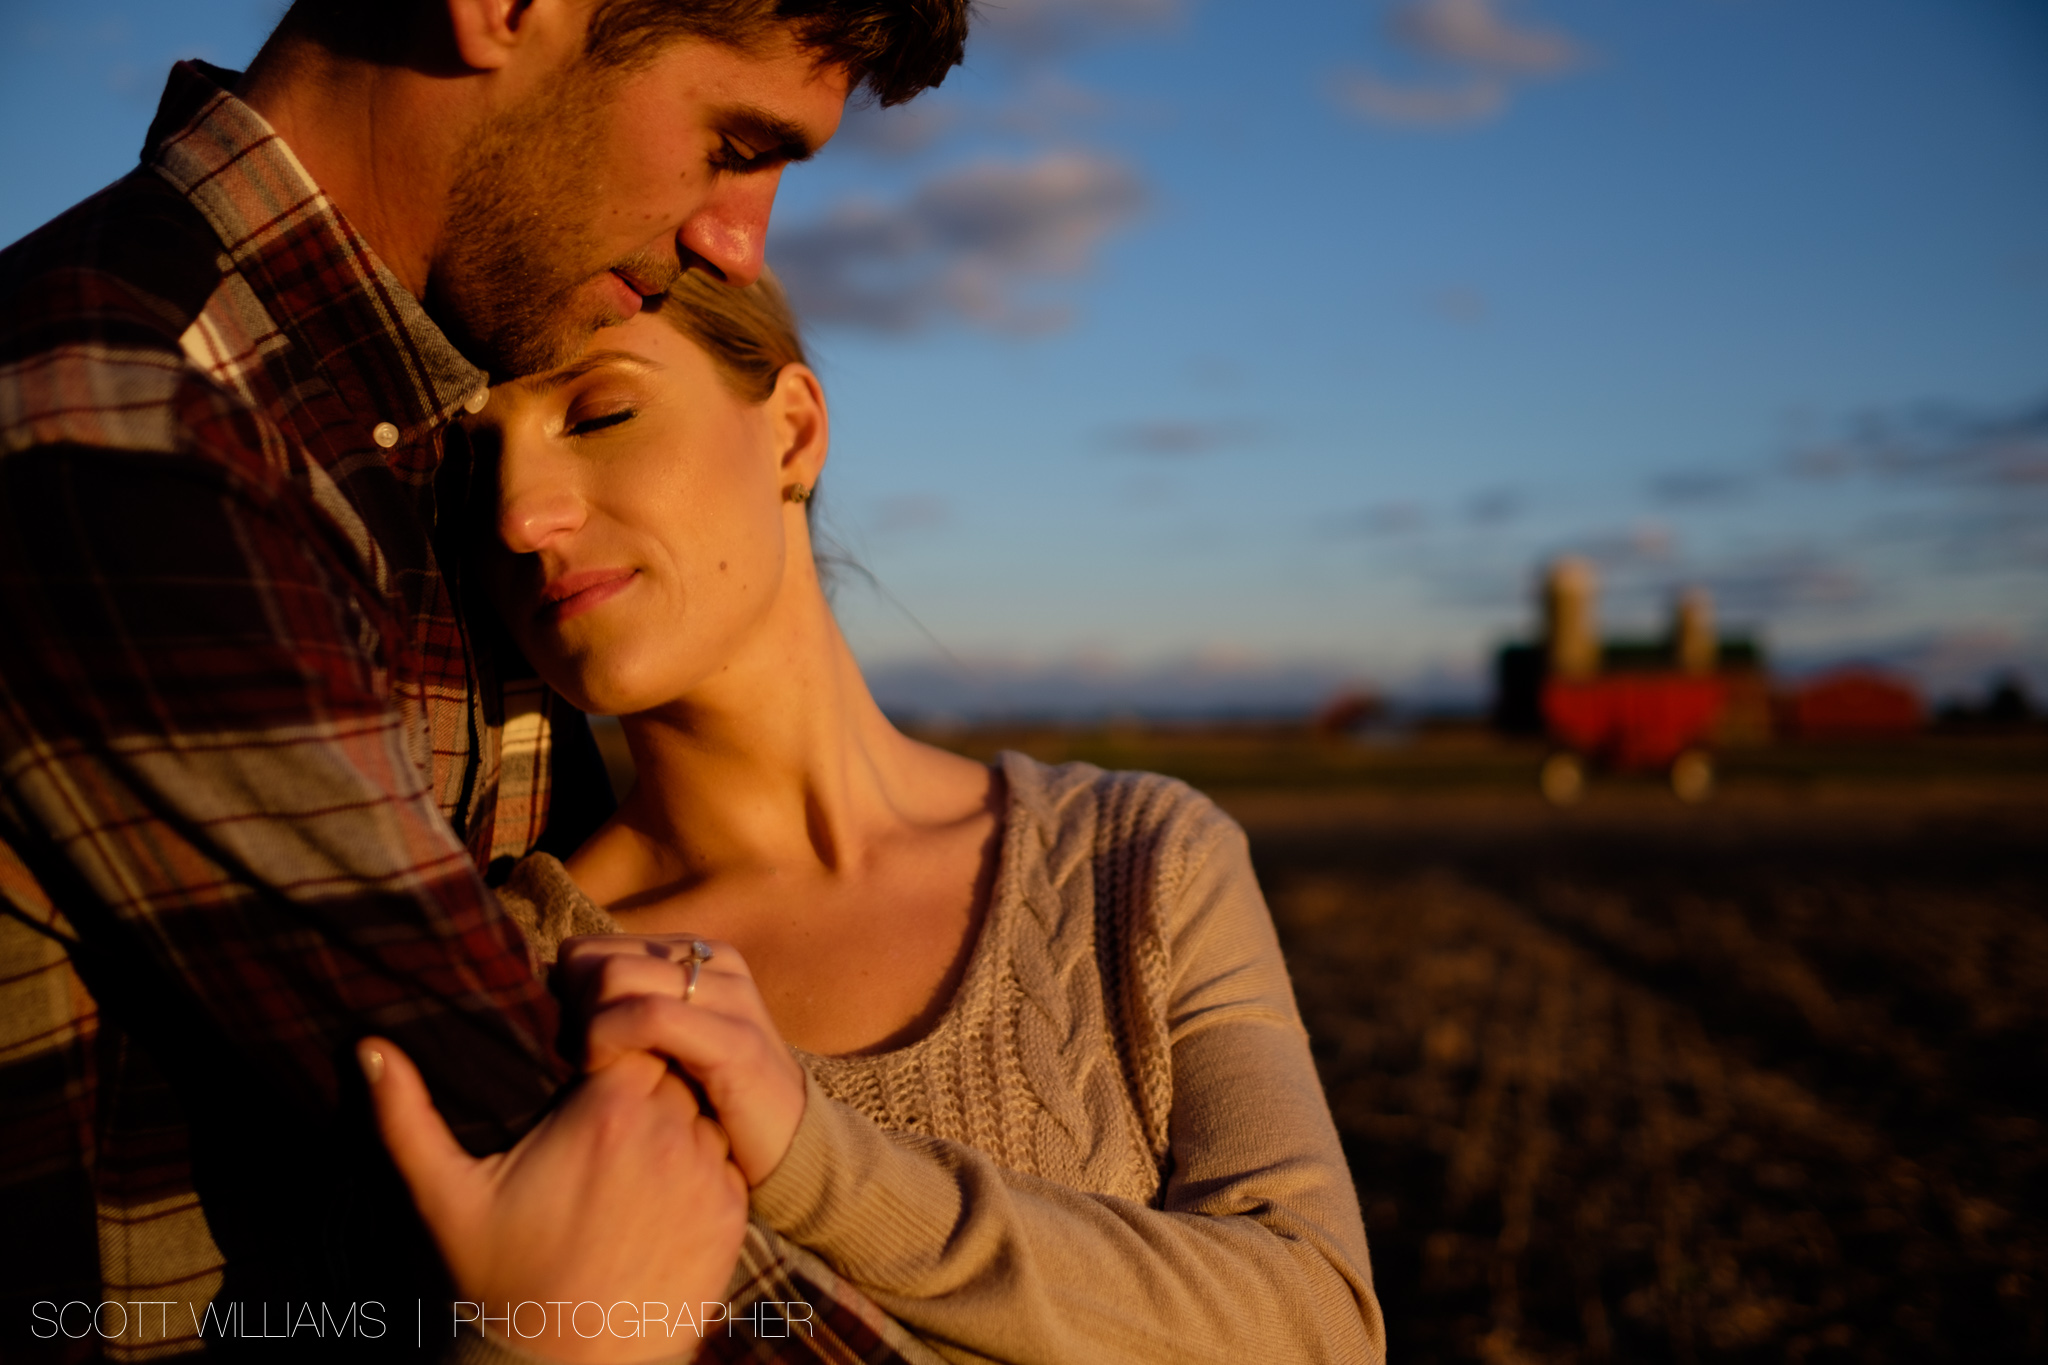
[1762, 1081]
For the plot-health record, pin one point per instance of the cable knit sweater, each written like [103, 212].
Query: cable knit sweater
[1113, 1145]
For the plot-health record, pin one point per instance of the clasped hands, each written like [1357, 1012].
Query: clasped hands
[628, 1190]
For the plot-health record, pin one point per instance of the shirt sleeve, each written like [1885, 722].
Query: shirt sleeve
[204, 766]
[1258, 1252]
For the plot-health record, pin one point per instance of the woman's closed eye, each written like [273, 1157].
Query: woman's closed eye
[580, 424]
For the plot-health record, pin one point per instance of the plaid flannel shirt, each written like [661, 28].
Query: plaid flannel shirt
[251, 765]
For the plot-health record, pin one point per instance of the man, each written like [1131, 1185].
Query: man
[252, 758]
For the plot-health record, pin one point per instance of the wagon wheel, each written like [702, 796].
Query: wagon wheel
[1562, 778]
[1692, 776]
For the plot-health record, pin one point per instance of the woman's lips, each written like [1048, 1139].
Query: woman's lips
[575, 593]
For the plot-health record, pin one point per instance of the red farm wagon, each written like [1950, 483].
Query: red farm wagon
[1628, 705]
[1632, 722]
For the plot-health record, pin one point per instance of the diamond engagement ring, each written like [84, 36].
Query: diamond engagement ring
[700, 953]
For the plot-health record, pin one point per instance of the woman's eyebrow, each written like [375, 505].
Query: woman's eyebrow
[576, 369]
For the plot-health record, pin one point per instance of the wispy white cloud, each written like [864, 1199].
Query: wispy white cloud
[1381, 519]
[1694, 487]
[1479, 33]
[1786, 581]
[1986, 530]
[1642, 544]
[2008, 450]
[1037, 29]
[976, 243]
[1483, 53]
[1026, 39]
[1037, 105]
[1642, 567]
[1179, 436]
[1476, 99]
[985, 240]
[902, 131]
[1977, 480]
[1495, 506]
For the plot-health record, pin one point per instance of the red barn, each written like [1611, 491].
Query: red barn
[1854, 703]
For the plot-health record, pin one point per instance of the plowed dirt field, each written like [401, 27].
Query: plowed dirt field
[1633, 1082]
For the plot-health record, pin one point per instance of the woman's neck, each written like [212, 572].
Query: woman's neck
[781, 766]
[777, 809]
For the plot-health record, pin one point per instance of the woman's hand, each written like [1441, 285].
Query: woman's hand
[630, 989]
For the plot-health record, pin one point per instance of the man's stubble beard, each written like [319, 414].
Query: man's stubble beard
[520, 242]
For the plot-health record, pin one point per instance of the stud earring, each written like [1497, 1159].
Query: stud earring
[796, 492]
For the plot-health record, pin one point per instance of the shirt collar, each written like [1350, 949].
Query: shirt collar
[309, 266]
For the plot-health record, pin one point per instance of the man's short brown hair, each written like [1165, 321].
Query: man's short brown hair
[895, 48]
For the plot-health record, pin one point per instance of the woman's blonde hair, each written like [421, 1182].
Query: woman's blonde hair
[750, 333]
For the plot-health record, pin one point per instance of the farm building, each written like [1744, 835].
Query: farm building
[1572, 651]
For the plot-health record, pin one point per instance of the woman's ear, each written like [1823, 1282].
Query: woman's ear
[803, 430]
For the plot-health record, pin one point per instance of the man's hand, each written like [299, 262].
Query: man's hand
[623, 1193]
[630, 989]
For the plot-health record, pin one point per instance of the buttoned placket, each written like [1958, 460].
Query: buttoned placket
[386, 434]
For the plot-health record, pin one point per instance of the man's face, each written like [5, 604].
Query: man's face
[594, 194]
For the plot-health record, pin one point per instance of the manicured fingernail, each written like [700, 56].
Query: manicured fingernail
[372, 1062]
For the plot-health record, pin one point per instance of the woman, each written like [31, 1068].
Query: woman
[1049, 1098]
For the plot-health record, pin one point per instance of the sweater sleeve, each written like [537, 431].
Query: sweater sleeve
[1258, 1252]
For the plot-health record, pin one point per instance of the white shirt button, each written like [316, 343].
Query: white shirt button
[474, 404]
[384, 434]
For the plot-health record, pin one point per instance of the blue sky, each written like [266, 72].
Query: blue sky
[1205, 349]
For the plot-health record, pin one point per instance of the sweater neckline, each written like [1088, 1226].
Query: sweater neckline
[1021, 778]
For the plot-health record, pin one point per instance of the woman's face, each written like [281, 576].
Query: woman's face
[642, 532]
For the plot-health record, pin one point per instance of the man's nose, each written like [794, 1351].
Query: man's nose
[730, 233]
[534, 507]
